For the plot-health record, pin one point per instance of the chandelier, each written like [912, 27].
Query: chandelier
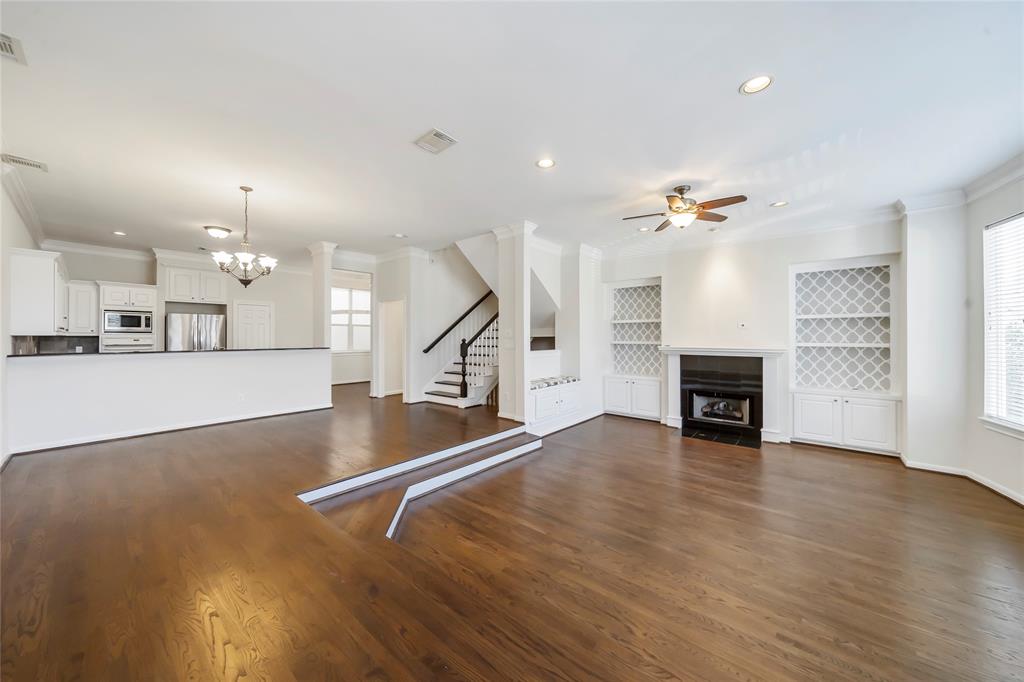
[244, 266]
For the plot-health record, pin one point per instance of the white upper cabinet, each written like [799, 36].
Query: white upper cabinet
[83, 308]
[117, 296]
[38, 299]
[121, 296]
[143, 297]
[195, 286]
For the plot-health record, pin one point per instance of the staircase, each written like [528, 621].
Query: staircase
[472, 374]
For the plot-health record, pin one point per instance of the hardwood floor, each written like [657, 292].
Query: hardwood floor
[619, 551]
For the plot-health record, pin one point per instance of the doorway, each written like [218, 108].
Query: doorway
[254, 324]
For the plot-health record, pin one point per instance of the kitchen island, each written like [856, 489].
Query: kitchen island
[67, 399]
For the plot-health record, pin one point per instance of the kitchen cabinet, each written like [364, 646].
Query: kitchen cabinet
[633, 396]
[83, 308]
[122, 296]
[38, 293]
[856, 422]
[189, 285]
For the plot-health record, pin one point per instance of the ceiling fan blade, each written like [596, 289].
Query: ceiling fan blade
[713, 217]
[724, 201]
[663, 226]
[674, 202]
[646, 215]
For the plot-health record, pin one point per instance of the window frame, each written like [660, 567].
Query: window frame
[350, 326]
[993, 421]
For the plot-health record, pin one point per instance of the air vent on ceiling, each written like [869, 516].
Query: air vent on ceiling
[21, 161]
[435, 141]
[11, 48]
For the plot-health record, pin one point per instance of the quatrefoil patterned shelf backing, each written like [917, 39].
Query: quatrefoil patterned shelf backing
[833, 363]
[640, 355]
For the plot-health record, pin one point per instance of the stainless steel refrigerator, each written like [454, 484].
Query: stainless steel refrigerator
[188, 331]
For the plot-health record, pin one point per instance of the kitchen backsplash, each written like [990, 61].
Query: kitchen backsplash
[52, 345]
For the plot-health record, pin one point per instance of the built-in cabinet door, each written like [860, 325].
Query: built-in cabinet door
[546, 404]
[83, 309]
[817, 417]
[645, 396]
[60, 298]
[117, 297]
[617, 394]
[183, 284]
[213, 287]
[869, 423]
[569, 398]
[143, 298]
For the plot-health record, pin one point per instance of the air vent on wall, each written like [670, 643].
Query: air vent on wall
[435, 141]
[11, 48]
[20, 161]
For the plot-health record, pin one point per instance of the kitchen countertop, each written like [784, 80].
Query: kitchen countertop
[173, 352]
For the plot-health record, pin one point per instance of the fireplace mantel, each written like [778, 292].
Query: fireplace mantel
[775, 396]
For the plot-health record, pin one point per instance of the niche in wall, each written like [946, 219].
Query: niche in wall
[543, 317]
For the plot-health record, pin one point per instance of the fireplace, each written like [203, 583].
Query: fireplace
[721, 398]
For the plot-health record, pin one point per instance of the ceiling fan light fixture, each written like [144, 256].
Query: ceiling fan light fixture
[546, 163]
[754, 85]
[682, 219]
[779, 204]
[217, 232]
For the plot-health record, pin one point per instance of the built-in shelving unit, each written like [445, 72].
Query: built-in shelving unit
[636, 330]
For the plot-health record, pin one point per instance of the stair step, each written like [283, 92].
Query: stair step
[455, 372]
[443, 394]
[449, 383]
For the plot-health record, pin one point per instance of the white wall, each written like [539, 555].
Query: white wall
[935, 336]
[994, 458]
[97, 266]
[482, 253]
[14, 233]
[706, 293]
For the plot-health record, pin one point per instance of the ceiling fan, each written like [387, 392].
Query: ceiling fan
[683, 210]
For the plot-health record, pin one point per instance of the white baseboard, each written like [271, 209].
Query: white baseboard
[547, 426]
[131, 433]
[674, 422]
[362, 480]
[966, 473]
[773, 436]
[350, 381]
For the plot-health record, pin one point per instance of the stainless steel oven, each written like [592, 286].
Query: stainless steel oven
[125, 322]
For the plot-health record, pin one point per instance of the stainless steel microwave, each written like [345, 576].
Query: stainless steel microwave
[118, 321]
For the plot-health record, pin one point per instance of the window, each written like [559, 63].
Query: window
[1004, 322]
[350, 320]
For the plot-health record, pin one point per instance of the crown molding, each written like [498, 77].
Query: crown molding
[994, 179]
[355, 257]
[171, 257]
[22, 202]
[514, 230]
[930, 202]
[94, 250]
[404, 252]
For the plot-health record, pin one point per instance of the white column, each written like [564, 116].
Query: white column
[513, 317]
[323, 257]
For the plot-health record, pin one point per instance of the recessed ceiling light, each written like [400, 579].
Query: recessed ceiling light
[643, 229]
[755, 85]
[216, 231]
[779, 204]
[399, 235]
[546, 163]
[119, 233]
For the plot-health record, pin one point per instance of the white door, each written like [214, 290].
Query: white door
[116, 297]
[83, 309]
[869, 423]
[212, 287]
[392, 346]
[182, 284]
[617, 395]
[254, 325]
[646, 398]
[143, 298]
[817, 417]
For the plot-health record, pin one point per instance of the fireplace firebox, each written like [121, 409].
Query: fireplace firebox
[721, 398]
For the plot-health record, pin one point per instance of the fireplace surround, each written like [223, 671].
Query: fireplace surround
[722, 398]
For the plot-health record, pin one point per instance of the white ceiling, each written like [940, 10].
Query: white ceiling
[151, 114]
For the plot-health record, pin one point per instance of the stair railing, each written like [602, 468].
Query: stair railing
[455, 324]
[464, 353]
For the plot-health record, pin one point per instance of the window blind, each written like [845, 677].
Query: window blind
[1004, 321]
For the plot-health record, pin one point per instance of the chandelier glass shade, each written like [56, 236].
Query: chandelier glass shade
[244, 265]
